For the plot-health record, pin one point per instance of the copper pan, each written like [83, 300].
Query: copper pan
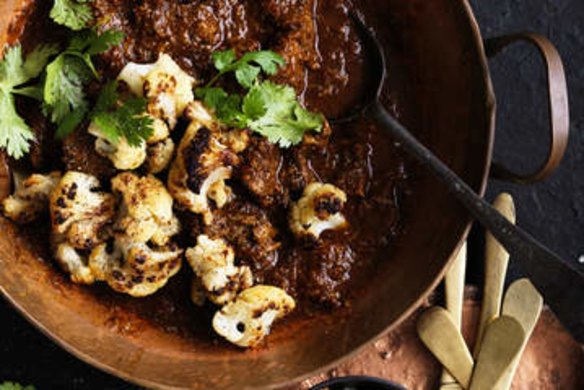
[440, 81]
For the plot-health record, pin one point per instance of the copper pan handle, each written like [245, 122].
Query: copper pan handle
[557, 101]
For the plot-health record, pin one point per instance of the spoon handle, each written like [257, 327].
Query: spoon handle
[543, 267]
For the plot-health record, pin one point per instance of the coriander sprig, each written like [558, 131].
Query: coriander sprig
[245, 70]
[15, 73]
[75, 14]
[64, 98]
[270, 109]
[118, 119]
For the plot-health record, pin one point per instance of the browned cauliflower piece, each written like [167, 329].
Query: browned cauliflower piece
[159, 156]
[247, 320]
[80, 216]
[318, 210]
[213, 262]
[168, 88]
[145, 213]
[136, 269]
[205, 159]
[142, 258]
[31, 197]
[123, 156]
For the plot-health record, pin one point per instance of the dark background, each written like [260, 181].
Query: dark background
[553, 210]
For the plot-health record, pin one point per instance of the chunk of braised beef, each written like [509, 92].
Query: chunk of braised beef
[247, 227]
[79, 155]
[327, 269]
[353, 168]
[260, 172]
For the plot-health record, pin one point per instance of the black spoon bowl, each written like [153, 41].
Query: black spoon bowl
[537, 262]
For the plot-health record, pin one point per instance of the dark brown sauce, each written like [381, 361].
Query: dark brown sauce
[329, 70]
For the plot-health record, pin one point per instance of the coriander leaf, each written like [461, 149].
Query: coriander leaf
[15, 134]
[75, 14]
[103, 42]
[127, 120]
[63, 88]
[14, 71]
[107, 98]
[14, 386]
[247, 74]
[223, 59]
[267, 60]
[213, 98]
[274, 112]
[70, 122]
[68, 74]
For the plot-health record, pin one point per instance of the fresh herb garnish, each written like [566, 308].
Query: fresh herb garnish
[14, 386]
[75, 14]
[127, 119]
[66, 76]
[267, 108]
[15, 134]
[248, 67]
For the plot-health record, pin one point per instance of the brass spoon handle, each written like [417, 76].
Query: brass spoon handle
[454, 291]
[496, 261]
[524, 303]
[440, 335]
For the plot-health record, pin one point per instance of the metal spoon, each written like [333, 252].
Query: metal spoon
[542, 266]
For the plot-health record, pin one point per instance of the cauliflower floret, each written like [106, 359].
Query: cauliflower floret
[213, 263]
[160, 156]
[80, 210]
[247, 320]
[167, 87]
[80, 214]
[31, 197]
[318, 210]
[135, 268]
[124, 156]
[146, 210]
[203, 163]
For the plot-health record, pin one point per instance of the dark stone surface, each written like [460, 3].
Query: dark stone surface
[553, 211]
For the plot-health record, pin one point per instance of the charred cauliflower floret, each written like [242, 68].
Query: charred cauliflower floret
[205, 159]
[159, 156]
[247, 320]
[124, 156]
[80, 214]
[145, 213]
[318, 210]
[31, 197]
[141, 258]
[134, 268]
[213, 262]
[167, 87]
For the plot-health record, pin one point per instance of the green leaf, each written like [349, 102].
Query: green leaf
[223, 59]
[274, 112]
[269, 61]
[128, 120]
[105, 41]
[64, 87]
[14, 386]
[15, 134]
[67, 76]
[75, 14]
[70, 122]
[72, 14]
[213, 98]
[247, 74]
